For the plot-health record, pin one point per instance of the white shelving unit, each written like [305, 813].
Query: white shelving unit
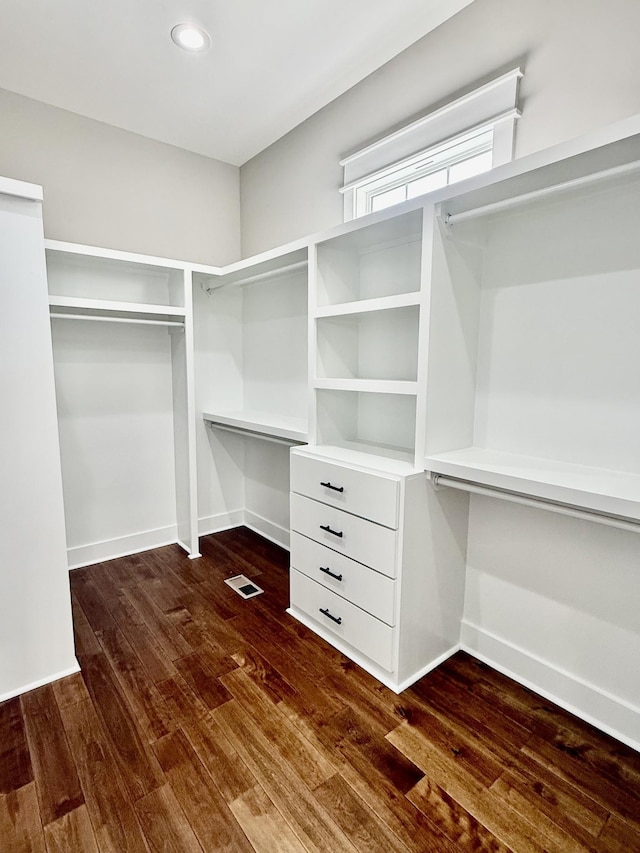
[371, 570]
[259, 397]
[533, 380]
[127, 433]
[365, 337]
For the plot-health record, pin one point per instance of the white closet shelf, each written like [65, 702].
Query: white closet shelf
[599, 490]
[261, 425]
[107, 306]
[363, 306]
[373, 386]
[391, 460]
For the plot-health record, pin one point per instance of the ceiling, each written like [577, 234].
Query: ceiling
[272, 63]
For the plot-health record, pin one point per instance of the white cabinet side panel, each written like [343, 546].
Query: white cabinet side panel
[36, 631]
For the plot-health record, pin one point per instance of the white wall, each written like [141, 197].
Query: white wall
[553, 601]
[581, 67]
[36, 633]
[108, 187]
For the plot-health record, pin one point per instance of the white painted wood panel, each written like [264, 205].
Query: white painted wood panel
[36, 630]
[368, 589]
[361, 630]
[370, 495]
[362, 540]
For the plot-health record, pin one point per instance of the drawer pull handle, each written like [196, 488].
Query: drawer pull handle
[328, 571]
[329, 530]
[337, 619]
[328, 485]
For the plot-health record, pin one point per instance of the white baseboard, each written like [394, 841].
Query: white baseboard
[269, 529]
[123, 546]
[590, 703]
[221, 521]
[25, 688]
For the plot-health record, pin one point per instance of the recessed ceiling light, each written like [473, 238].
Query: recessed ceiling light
[190, 37]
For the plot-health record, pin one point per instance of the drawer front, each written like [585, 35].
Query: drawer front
[364, 632]
[354, 537]
[371, 496]
[359, 584]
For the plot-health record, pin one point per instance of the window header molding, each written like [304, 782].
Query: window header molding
[494, 103]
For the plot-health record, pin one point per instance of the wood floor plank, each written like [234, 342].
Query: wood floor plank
[571, 768]
[299, 752]
[264, 826]
[355, 819]
[203, 680]
[556, 838]
[106, 795]
[461, 783]
[129, 570]
[373, 783]
[71, 834]
[54, 771]
[267, 677]
[560, 801]
[223, 633]
[231, 775]
[302, 811]
[184, 705]
[158, 665]
[20, 825]
[455, 822]
[618, 836]
[164, 824]
[86, 641]
[137, 685]
[167, 643]
[204, 806]
[70, 690]
[15, 762]
[138, 766]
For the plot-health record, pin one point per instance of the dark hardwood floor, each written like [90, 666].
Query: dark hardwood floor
[202, 722]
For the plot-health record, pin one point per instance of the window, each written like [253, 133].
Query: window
[465, 138]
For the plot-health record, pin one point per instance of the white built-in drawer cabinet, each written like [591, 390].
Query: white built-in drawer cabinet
[364, 573]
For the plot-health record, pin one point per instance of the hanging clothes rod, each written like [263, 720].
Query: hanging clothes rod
[262, 436]
[441, 481]
[496, 207]
[95, 318]
[261, 276]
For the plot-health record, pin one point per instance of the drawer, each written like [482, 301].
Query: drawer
[354, 537]
[364, 632]
[359, 584]
[373, 496]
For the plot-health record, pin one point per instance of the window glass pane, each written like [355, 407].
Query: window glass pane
[386, 199]
[427, 184]
[471, 167]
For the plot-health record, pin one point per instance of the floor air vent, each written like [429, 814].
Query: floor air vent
[243, 586]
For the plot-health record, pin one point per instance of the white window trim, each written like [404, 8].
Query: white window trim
[493, 105]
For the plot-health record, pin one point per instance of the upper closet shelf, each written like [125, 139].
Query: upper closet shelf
[286, 430]
[105, 310]
[97, 306]
[596, 490]
[381, 303]
[374, 386]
